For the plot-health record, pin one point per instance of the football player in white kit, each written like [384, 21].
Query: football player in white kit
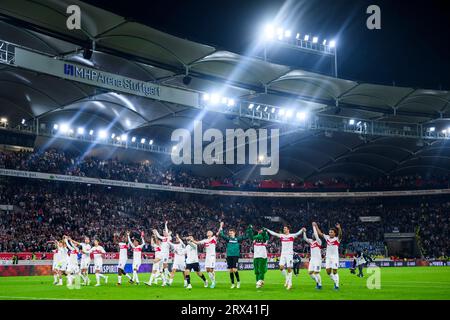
[179, 259]
[287, 253]
[156, 267]
[137, 255]
[192, 263]
[72, 264]
[315, 260]
[98, 252]
[165, 250]
[123, 258]
[59, 261]
[85, 259]
[333, 239]
[210, 260]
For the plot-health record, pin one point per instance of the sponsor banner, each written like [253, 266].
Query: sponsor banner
[79, 73]
[25, 270]
[26, 255]
[149, 186]
[370, 219]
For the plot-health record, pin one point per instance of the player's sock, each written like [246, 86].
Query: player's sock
[152, 276]
[188, 279]
[55, 278]
[135, 276]
[313, 276]
[128, 276]
[97, 277]
[319, 279]
[283, 272]
[119, 279]
[69, 280]
[102, 276]
[166, 272]
[336, 279]
[232, 277]
[211, 276]
[236, 274]
[289, 277]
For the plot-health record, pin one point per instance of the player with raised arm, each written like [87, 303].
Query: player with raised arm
[123, 258]
[72, 264]
[260, 241]
[165, 250]
[209, 243]
[179, 259]
[333, 239]
[233, 253]
[137, 255]
[59, 261]
[315, 260]
[98, 252]
[287, 253]
[156, 267]
[85, 259]
[192, 263]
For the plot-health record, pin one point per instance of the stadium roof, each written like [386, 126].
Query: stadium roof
[138, 51]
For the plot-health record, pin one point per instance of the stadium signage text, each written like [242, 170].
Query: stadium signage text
[75, 72]
[213, 153]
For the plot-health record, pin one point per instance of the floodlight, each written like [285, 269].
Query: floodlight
[124, 137]
[64, 128]
[206, 96]
[351, 122]
[113, 135]
[306, 38]
[297, 36]
[23, 121]
[332, 43]
[315, 39]
[301, 115]
[91, 132]
[151, 142]
[55, 126]
[289, 113]
[102, 134]
[133, 139]
[80, 130]
[250, 106]
[287, 33]
[281, 112]
[143, 140]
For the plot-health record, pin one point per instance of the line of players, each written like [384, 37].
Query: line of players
[186, 257]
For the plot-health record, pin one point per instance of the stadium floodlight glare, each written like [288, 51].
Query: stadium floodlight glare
[231, 102]
[351, 122]
[64, 128]
[261, 158]
[281, 112]
[273, 109]
[306, 38]
[133, 139]
[432, 129]
[174, 148]
[332, 43]
[113, 135]
[143, 140]
[324, 42]
[287, 33]
[265, 109]
[289, 113]
[206, 96]
[3, 120]
[301, 115]
[151, 142]
[215, 98]
[257, 108]
[124, 137]
[102, 134]
[80, 130]
[23, 121]
[268, 32]
[315, 39]
[91, 132]
[71, 131]
[224, 100]
[250, 106]
[297, 36]
[55, 126]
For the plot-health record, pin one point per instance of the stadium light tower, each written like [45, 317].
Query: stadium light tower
[301, 42]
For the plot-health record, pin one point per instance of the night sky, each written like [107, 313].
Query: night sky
[412, 48]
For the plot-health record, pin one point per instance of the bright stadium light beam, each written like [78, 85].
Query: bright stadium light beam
[289, 113]
[64, 128]
[124, 137]
[301, 115]
[102, 134]
[205, 97]
[332, 43]
[268, 32]
[55, 126]
[287, 33]
[281, 112]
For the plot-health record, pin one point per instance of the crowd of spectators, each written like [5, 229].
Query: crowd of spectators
[46, 210]
[59, 162]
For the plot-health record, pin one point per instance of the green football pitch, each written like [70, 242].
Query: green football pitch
[419, 283]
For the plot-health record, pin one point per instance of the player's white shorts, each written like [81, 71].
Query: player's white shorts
[165, 257]
[315, 265]
[179, 264]
[122, 264]
[61, 266]
[55, 265]
[73, 268]
[85, 263]
[136, 265]
[287, 260]
[210, 262]
[98, 266]
[332, 263]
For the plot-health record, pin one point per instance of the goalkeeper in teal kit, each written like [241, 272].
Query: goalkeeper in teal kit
[233, 253]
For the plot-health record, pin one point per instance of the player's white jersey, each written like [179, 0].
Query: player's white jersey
[137, 251]
[179, 258]
[165, 245]
[316, 250]
[123, 251]
[191, 253]
[287, 241]
[332, 246]
[259, 249]
[158, 251]
[97, 252]
[85, 247]
[210, 246]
